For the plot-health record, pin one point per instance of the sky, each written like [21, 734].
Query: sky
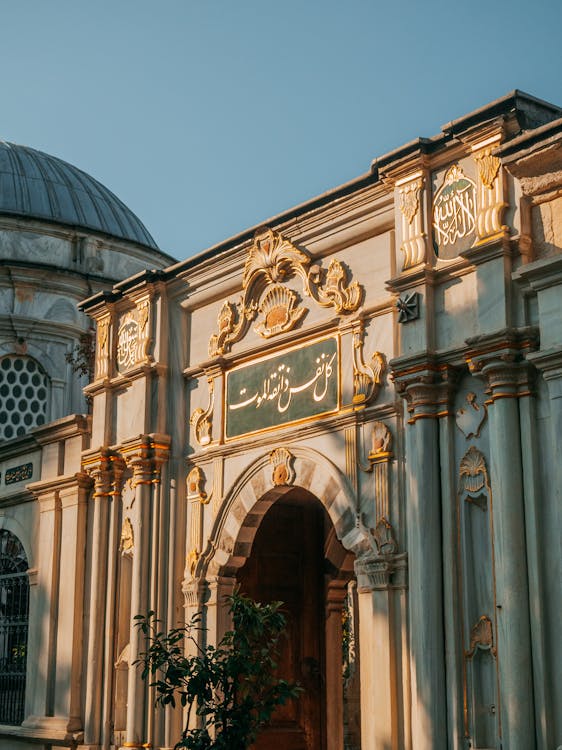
[207, 117]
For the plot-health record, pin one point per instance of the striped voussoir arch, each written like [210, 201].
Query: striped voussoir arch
[254, 492]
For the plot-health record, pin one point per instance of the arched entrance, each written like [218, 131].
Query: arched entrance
[297, 558]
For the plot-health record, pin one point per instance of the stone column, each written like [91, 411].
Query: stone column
[74, 500]
[335, 597]
[139, 459]
[99, 468]
[426, 386]
[506, 380]
[549, 548]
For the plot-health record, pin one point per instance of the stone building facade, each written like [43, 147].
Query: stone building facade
[354, 409]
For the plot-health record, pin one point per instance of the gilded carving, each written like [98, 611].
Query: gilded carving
[272, 259]
[201, 419]
[381, 440]
[491, 205]
[414, 238]
[410, 199]
[127, 542]
[283, 471]
[481, 637]
[335, 292]
[195, 485]
[102, 347]
[367, 378]
[471, 416]
[488, 167]
[279, 310]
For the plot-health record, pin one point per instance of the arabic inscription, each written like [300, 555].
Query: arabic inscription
[454, 213]
[296, 385]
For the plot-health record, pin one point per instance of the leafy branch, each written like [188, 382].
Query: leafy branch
[232, 688]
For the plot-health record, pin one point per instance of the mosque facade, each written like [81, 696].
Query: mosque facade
[354, 409]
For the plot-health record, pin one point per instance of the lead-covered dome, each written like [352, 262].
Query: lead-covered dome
[36, 185]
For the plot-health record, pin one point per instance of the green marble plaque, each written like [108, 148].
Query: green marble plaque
[289, 387]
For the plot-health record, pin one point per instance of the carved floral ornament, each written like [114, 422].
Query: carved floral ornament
[271, 261]
[410, 199]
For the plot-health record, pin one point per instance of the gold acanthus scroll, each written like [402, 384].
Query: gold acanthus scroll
[271, 260]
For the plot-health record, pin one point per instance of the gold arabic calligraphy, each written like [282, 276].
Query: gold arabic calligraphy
[277, 386]
[454, 207]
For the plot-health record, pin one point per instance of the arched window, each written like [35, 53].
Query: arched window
[14, 614]
[24, 389]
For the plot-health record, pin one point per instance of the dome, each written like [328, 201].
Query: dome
[40, 186]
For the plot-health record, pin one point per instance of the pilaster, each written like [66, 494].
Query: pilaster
[427, 388]
[500, 361]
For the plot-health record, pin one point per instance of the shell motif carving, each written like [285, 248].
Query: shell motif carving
[473, 475]
[279, 310]
[282, 462]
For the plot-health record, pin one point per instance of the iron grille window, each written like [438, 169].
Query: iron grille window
[14, 613]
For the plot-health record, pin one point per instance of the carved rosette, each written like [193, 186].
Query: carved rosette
[202, 419]
[414, 235]
[273, 260]
[283, 472]
[491, 204]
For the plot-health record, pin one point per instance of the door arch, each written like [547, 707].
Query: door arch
[331, 537]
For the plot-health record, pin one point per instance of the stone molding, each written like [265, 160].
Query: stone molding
[427, 386]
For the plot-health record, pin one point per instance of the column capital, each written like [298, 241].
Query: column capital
[144, 456]
[381, 572]
[504, 361]
[98, 466]
[428, 386]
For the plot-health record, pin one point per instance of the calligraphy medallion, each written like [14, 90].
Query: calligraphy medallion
[454, 213]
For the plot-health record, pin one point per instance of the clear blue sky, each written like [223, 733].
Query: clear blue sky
[209, 116]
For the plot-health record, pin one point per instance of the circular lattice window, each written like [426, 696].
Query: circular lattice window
[23, 396]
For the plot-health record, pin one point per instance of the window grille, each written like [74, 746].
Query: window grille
[24, 389]
[14, 612]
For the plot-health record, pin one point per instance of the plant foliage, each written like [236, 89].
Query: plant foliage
[232, 688]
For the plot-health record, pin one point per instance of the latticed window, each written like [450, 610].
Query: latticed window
[23, 395]
[14, 609]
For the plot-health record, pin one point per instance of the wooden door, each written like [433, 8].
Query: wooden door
[287, 564]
